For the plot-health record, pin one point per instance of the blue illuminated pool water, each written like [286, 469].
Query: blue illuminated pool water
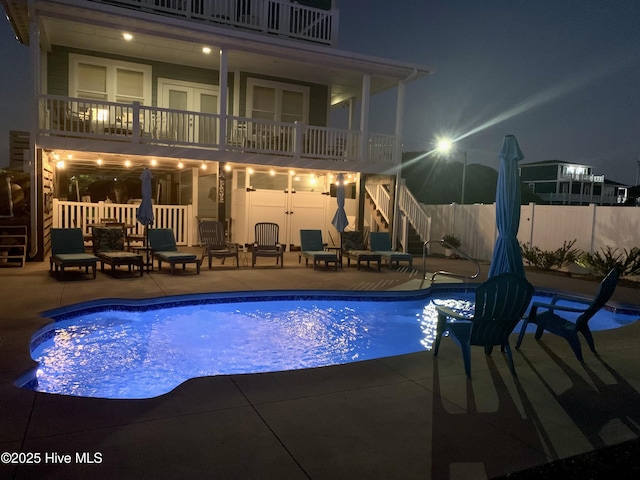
[144, 350]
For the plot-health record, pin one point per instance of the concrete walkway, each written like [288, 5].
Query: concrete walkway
[401, 417]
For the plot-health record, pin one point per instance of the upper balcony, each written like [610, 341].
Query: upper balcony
[581, 177]
[110, 127]
[274, 17]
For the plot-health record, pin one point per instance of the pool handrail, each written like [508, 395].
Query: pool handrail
[445, 272]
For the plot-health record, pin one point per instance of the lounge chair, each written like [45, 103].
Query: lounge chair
[353, 247]
[500, 303]
[214, 244]
[108, 246]
[164, 249]
[312, 248]
[552, 322]
[267, 243]
[67, 250]
[380, 242]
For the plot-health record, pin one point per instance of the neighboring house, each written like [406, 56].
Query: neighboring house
[565, 183]
[227, 101]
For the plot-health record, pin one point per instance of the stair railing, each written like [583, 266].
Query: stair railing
[411, 208]
[381, 199]
[445, 272]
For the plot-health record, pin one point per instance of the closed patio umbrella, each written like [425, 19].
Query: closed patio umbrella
[506, 252]
[340, 220]
[144, 214]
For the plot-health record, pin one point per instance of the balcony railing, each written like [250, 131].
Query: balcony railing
[280, 17]
[582, 177]
[141, 124]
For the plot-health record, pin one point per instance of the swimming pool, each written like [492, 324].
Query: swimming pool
[142, 349]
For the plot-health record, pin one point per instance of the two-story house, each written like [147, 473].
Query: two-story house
[228, 102]
[566, 183]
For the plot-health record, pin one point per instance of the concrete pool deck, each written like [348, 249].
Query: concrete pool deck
[401, 417]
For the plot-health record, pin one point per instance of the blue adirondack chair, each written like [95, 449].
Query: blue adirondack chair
[500, 303]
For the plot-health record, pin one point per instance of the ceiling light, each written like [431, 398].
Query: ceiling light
[127, 36]
[206, 50]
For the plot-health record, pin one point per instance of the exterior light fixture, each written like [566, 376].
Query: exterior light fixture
[99, 161]
[227, 167]
[127, 36]
[180, 165]
[127, 163]
[272, 172]
[203, 166]
[206, 50]
[154, 162]
[445, 146]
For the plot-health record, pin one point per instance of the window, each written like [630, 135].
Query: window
[275, 101]
[104, 79]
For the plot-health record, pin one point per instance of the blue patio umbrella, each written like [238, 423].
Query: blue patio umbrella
[506, 252]
[144, 213]
[340, 220]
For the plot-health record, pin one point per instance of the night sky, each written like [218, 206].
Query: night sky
[561, 75]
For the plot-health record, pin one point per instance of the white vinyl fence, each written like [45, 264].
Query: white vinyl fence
[544, 226]
[82, 214]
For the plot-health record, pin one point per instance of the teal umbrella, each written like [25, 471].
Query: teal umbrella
[144, 213]
[506, 252]
[340, 220]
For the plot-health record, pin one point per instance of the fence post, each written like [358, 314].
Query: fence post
[594, 209]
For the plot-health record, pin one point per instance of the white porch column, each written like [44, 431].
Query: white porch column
[364, 117]
[35, 169]
[222, 97]
[397, 161]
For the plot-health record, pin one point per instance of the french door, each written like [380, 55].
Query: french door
[186, 97]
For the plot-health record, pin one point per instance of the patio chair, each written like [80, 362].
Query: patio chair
[267, 243]
[67, 250]
[164, 249]
[311, 247]
[214, 244]
[553, 322]
[108, 246]
[380, 242]
[500, 303]
[353, 247]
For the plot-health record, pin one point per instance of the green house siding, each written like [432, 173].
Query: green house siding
[58, 80]
[544, 172]
[545, 187]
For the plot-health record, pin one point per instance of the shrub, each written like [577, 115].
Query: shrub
[626, 262]
[451, 240]
[550, 260]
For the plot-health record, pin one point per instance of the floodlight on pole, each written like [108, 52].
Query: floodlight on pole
[444, 146]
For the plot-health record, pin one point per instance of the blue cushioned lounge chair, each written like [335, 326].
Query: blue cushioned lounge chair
[312, 248]
[380, 242]
[500, 303]
[164, 249]
[67, 250]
